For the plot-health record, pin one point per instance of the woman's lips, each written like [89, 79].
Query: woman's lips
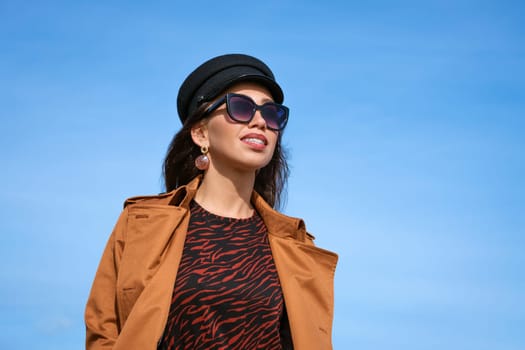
[256, 141]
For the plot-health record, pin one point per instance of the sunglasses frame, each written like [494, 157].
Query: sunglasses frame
[226, 99]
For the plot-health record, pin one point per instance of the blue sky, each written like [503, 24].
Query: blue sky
[406, 144]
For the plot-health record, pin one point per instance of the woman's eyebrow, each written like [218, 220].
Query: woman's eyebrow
[266, 99]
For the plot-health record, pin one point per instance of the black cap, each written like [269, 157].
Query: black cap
[214, 76]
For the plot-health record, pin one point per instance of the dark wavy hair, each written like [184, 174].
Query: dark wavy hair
[179, 164]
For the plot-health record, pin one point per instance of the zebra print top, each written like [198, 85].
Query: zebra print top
[227, 293]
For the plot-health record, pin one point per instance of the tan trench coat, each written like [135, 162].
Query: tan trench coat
[130, 298]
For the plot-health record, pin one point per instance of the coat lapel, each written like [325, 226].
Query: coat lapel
[306, 274]
[154, 245]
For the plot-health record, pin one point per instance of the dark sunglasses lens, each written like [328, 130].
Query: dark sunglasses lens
[275, 116]
[241, 109]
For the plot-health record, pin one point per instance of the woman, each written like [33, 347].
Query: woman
[210, 264]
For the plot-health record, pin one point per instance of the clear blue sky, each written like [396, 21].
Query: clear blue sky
[406, 140]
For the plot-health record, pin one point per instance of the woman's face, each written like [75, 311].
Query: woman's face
[236, 146]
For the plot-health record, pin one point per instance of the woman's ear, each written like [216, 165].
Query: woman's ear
[199, 134]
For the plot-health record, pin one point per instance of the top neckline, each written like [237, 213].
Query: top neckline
[196, 207]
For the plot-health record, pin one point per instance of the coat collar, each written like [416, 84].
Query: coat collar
[277, 224]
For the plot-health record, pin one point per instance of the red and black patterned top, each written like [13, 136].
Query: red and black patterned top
[227, 293]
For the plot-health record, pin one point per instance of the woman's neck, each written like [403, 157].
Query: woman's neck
[227, 196]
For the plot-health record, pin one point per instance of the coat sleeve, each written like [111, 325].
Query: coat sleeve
[101, 315]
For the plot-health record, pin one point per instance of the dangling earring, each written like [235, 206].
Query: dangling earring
[202, 162]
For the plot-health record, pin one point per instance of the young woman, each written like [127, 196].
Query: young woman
[210, 264]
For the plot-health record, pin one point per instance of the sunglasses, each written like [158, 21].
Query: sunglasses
[242, 109]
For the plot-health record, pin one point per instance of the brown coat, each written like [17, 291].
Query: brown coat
[130, 298]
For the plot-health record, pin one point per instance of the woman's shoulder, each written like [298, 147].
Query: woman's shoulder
[175, 197]
[161, 198]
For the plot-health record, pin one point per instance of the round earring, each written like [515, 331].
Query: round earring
[202, 162]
